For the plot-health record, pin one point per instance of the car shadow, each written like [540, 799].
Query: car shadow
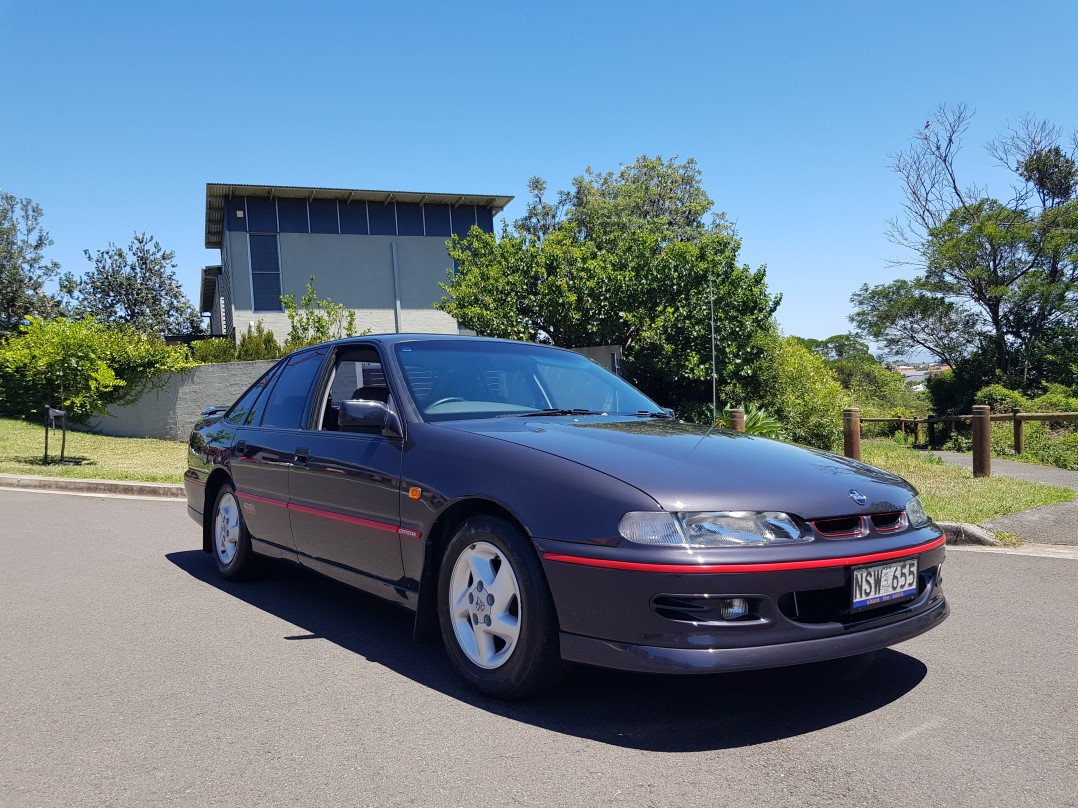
[638, 711]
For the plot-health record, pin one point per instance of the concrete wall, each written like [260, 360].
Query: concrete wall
[354, 270]
[170, 411]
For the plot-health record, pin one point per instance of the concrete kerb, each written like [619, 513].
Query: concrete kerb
[166, 490]
[961, 533]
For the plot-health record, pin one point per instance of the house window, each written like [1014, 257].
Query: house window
[265, 273]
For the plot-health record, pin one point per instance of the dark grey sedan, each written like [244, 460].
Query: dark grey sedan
[539, 510]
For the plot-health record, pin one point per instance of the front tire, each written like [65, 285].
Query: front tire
[496, 614]
[231, 541]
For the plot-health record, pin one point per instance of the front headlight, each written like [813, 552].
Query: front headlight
[741, 529]
[712, 529]
[915, 513]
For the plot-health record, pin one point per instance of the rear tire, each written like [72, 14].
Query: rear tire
[231, 542]
[495, 611]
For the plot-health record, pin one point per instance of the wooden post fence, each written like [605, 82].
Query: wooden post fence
[981, 421]
[737, 419]
[851, 432]
[982, 440]
[1019, 433]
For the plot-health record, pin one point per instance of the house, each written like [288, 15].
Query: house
[380, 253]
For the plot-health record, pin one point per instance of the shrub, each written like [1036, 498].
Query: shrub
[1001, 399]
[757, 422]
[800, 390]
[81, 366]
[213, 351]
[1056, 399]
[258, 343]
[313, 321]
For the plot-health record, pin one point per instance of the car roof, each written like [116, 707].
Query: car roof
[392, 339]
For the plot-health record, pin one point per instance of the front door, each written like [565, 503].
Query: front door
[345, 486]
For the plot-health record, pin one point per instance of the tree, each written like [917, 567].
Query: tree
[997, 277]
[627, 259]
[135, 287]
[23, 268]
[902, 317]
[838, 346]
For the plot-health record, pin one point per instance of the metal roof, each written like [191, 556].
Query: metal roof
[216, 193]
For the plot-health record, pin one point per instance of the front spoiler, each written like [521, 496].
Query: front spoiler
[652, 659]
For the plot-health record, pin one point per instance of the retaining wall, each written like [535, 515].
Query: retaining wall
[170, 411]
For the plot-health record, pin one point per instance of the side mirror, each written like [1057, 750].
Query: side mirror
[363, 415]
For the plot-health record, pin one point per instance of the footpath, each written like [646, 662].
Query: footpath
[1047, 524]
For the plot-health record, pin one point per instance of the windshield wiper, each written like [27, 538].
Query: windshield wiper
[555, 411]
[658, 414]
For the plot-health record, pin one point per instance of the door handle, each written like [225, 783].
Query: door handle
[302, 455]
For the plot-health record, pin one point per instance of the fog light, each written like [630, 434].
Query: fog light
[733, 608]
[939, 575]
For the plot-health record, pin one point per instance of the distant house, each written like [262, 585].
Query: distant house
[380, 253]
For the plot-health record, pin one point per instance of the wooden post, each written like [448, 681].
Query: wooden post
[1019, 432]
[916, 432]
[982, 440]
[851, 433]
[931, 433]
[737, 419]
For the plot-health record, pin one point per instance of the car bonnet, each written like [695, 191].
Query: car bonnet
[686, 468]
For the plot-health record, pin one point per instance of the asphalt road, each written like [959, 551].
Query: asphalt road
[130, 676]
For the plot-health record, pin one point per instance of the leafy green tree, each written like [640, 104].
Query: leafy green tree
[839, 346]
[313, 321]
[23, 267]
[998, 279]
[903, 317]
[626, 258]
[135, 287]
[80, 365]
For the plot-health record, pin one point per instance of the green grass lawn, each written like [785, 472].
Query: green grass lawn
[949, 493]
[952, 494]
[92, 456]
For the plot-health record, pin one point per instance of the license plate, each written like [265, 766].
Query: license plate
[884, 583]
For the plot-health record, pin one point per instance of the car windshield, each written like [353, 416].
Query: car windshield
[452, 380]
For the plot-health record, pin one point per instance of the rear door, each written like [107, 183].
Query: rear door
[265, 448]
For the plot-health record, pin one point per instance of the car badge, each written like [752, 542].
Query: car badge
[858, 497]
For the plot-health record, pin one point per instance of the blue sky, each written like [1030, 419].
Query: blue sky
[116, 115]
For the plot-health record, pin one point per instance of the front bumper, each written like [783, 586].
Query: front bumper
[661, 617]
[652, 659]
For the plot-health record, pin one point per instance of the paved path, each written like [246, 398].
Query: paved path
[1048, 524]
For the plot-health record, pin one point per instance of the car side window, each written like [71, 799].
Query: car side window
[245, 411]
[357, 374]
[287, 401]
